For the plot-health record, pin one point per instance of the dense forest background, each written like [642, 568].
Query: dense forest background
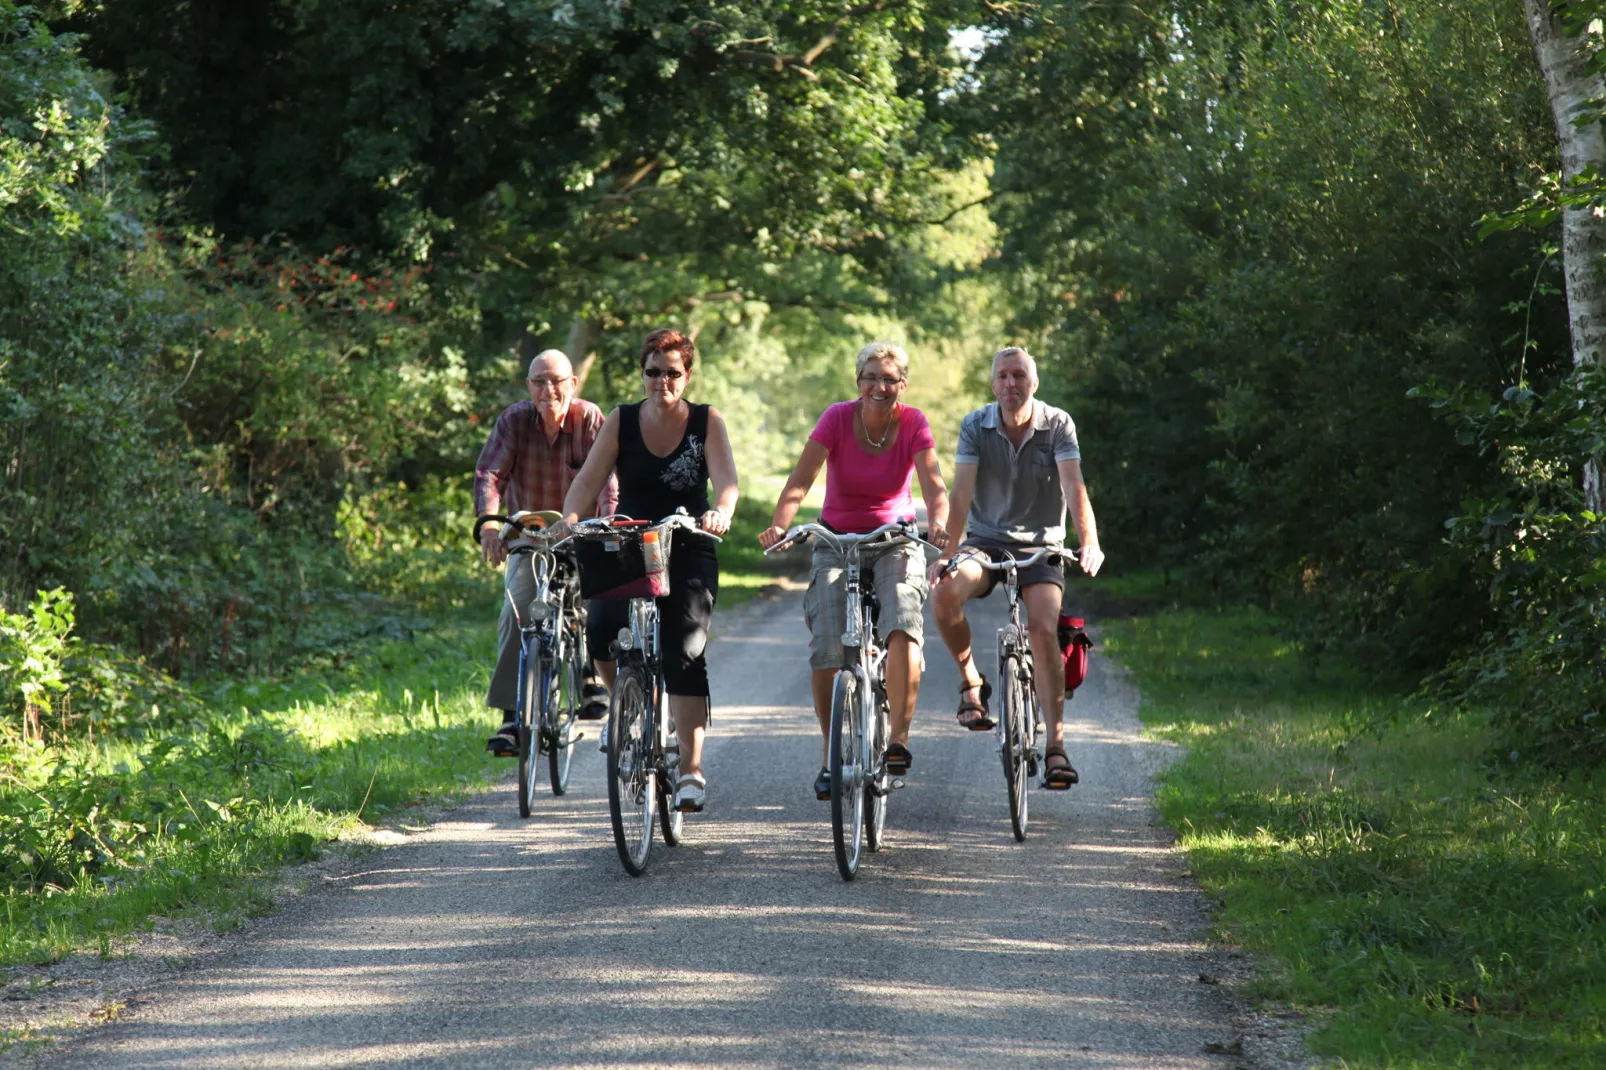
[270, 269]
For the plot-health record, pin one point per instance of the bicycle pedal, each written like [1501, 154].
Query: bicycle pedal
[897, 782]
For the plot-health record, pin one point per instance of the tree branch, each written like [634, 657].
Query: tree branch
[956, 211]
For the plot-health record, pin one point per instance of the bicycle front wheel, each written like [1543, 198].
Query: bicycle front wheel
[632, 783]
[848, 773]
[532, 685]
[1017, 745]
[878, 789]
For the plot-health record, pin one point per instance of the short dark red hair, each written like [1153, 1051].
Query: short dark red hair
[668, 340]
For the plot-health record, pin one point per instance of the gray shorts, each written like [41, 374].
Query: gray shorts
[899, 583]
[1042, 572]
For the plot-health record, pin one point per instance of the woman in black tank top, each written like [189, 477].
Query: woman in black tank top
[666, 450]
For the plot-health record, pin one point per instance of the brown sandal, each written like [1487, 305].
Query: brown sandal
[973, 715]
[1058, 773]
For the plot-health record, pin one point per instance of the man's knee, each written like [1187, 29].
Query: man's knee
[948, 599]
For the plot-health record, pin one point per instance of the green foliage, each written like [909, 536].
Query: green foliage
[96, 837]
[1542, 558]
[32, 649]
[1241, 233]
[1422, 915]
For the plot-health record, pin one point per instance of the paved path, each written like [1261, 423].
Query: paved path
[488, 941]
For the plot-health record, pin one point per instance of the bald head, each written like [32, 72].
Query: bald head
[552, 386]
[552, 362]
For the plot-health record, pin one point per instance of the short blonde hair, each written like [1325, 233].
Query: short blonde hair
[882, 351]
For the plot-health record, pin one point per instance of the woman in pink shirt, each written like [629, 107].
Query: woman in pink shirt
[871, 448]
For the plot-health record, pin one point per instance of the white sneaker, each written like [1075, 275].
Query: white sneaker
[691, 793]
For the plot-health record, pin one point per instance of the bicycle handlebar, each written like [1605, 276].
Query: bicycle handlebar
[1014, 562]
[602, 525]
[904, 529]
[524, 522]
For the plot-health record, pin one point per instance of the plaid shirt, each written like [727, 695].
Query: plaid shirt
[520, 469]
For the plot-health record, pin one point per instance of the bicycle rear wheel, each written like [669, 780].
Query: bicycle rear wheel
[532, 684]
[847, 773]
[563, 703]
[1016, 750]
[878, 791]
[632, 787]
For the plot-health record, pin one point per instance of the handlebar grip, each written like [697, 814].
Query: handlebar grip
[480, 522]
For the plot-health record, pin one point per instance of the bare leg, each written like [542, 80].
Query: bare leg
[903, 683]
[948, 600]
[820, 683]
[691, 725]
[1042, 620]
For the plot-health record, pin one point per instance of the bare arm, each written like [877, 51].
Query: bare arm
[958, 514]
[595, 473]
[804, 473]
[1090, 556]
[722, 472]
[935, 492]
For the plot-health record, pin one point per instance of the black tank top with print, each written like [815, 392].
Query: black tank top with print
[653, 487]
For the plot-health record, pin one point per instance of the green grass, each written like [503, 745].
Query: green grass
[1427, 913]
[191, 810]
[99, 838]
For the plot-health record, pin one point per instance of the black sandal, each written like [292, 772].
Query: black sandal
[1058, 773]
[822, 784]
[974, 715]
[505, 744]
[898, 759]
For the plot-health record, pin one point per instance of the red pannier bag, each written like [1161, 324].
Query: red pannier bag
[1075, 646]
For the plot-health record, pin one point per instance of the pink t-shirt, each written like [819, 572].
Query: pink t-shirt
[865, 490]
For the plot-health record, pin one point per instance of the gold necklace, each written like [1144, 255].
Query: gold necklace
[878, 443]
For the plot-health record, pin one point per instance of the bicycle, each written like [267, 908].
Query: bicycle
[643, 757]
[860, 717]
[552, 656]
[1018, 734]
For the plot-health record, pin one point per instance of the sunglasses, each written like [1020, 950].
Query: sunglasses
[662, 373]
[885, 381]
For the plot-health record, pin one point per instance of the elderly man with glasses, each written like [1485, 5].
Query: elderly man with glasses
[535, 451]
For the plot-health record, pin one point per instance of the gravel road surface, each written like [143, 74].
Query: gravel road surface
[489, 941]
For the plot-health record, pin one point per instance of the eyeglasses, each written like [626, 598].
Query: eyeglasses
[549, 383]
[885, 381]
[662, 373]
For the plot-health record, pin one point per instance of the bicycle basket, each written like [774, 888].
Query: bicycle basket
[624, 564]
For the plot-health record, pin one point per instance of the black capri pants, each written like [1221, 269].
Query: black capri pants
[683, 618]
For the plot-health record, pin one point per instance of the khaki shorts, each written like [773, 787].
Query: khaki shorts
[899, 581]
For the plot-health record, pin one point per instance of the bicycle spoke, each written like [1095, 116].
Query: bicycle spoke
[632, 788]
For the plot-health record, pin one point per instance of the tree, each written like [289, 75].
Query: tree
[1562, 32]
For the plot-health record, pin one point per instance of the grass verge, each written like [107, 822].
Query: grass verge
[99, 838]
[187, 810]
[1428, 912]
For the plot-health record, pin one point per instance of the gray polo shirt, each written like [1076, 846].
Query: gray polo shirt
[1018, 497]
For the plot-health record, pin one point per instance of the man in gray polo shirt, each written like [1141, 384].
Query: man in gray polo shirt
[1017, 468]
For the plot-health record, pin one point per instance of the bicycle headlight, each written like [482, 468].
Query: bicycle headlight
[540, 611]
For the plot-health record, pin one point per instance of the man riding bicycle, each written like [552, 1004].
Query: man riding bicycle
[528, 464]
[1017, 467]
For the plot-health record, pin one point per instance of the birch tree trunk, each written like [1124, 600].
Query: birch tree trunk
[1563, 61]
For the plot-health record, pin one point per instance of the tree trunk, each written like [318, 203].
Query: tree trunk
[583, 335]
[1563, 61]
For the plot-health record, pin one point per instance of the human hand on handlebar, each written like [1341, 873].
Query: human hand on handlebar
[938, 537]
[716, 522]
[492, 546]
[771, 535]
